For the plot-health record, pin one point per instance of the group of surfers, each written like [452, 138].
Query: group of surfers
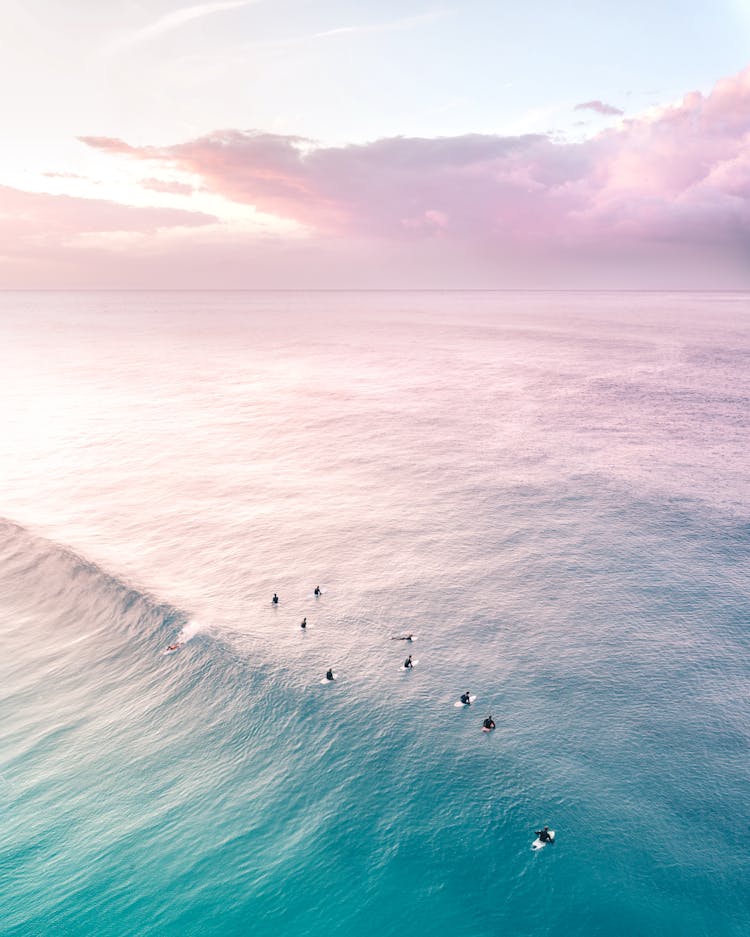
[488, 724]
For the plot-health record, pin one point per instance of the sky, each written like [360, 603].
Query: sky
[303, 144]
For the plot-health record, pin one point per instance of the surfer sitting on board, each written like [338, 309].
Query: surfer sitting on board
[466, 698]
[408, 663]
[544, 835]
[489, 723]
[275, 599]
[317, 590]
[329, 674]
[303, 623]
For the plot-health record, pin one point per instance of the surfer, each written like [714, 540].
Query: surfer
[408, 663]
[404, 637]
[303, 623]
[466, 698]
[543, 835]
[329, 674]
[275, 599]
[317, 590]
[174, 647]
[489, 723]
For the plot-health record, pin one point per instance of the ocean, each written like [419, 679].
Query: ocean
[550, 490]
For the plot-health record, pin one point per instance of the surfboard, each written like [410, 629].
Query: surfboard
[325, 680]
[538, 844]
[458, 704]
[404, 668]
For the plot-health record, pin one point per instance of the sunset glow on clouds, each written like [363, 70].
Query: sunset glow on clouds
[682, 174]
[654, 199]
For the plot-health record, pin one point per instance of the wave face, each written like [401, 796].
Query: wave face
[550, 491]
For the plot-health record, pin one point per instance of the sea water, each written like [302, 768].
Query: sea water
[549, 490]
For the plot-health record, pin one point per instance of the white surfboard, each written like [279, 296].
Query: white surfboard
[325, 680]
[539, 844]
[404, 669]
[458, 704]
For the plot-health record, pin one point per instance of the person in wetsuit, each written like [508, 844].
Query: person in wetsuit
[317, 590]
[489, 723]
[303, 623]
[329, 674]
[466, 698]
[408, 663]
[275, 599]
[544, 835]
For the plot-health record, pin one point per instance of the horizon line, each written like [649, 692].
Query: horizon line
[336, 289]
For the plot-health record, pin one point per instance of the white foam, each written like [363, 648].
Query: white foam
[191, 629]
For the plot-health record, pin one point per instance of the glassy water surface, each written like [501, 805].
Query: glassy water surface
[549, 490]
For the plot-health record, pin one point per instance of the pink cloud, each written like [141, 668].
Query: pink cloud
[169, 187]
[606, 110]
[42, 215]
[63, 175]
[111, 144]
[680, 175]
[657, 201]
[59, 241]
[369, 189]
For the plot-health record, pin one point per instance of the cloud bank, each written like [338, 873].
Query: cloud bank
[661, 200]
[55, 241]
[55, 217]
[680, 175]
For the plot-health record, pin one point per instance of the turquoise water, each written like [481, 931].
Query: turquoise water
[550, 490]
